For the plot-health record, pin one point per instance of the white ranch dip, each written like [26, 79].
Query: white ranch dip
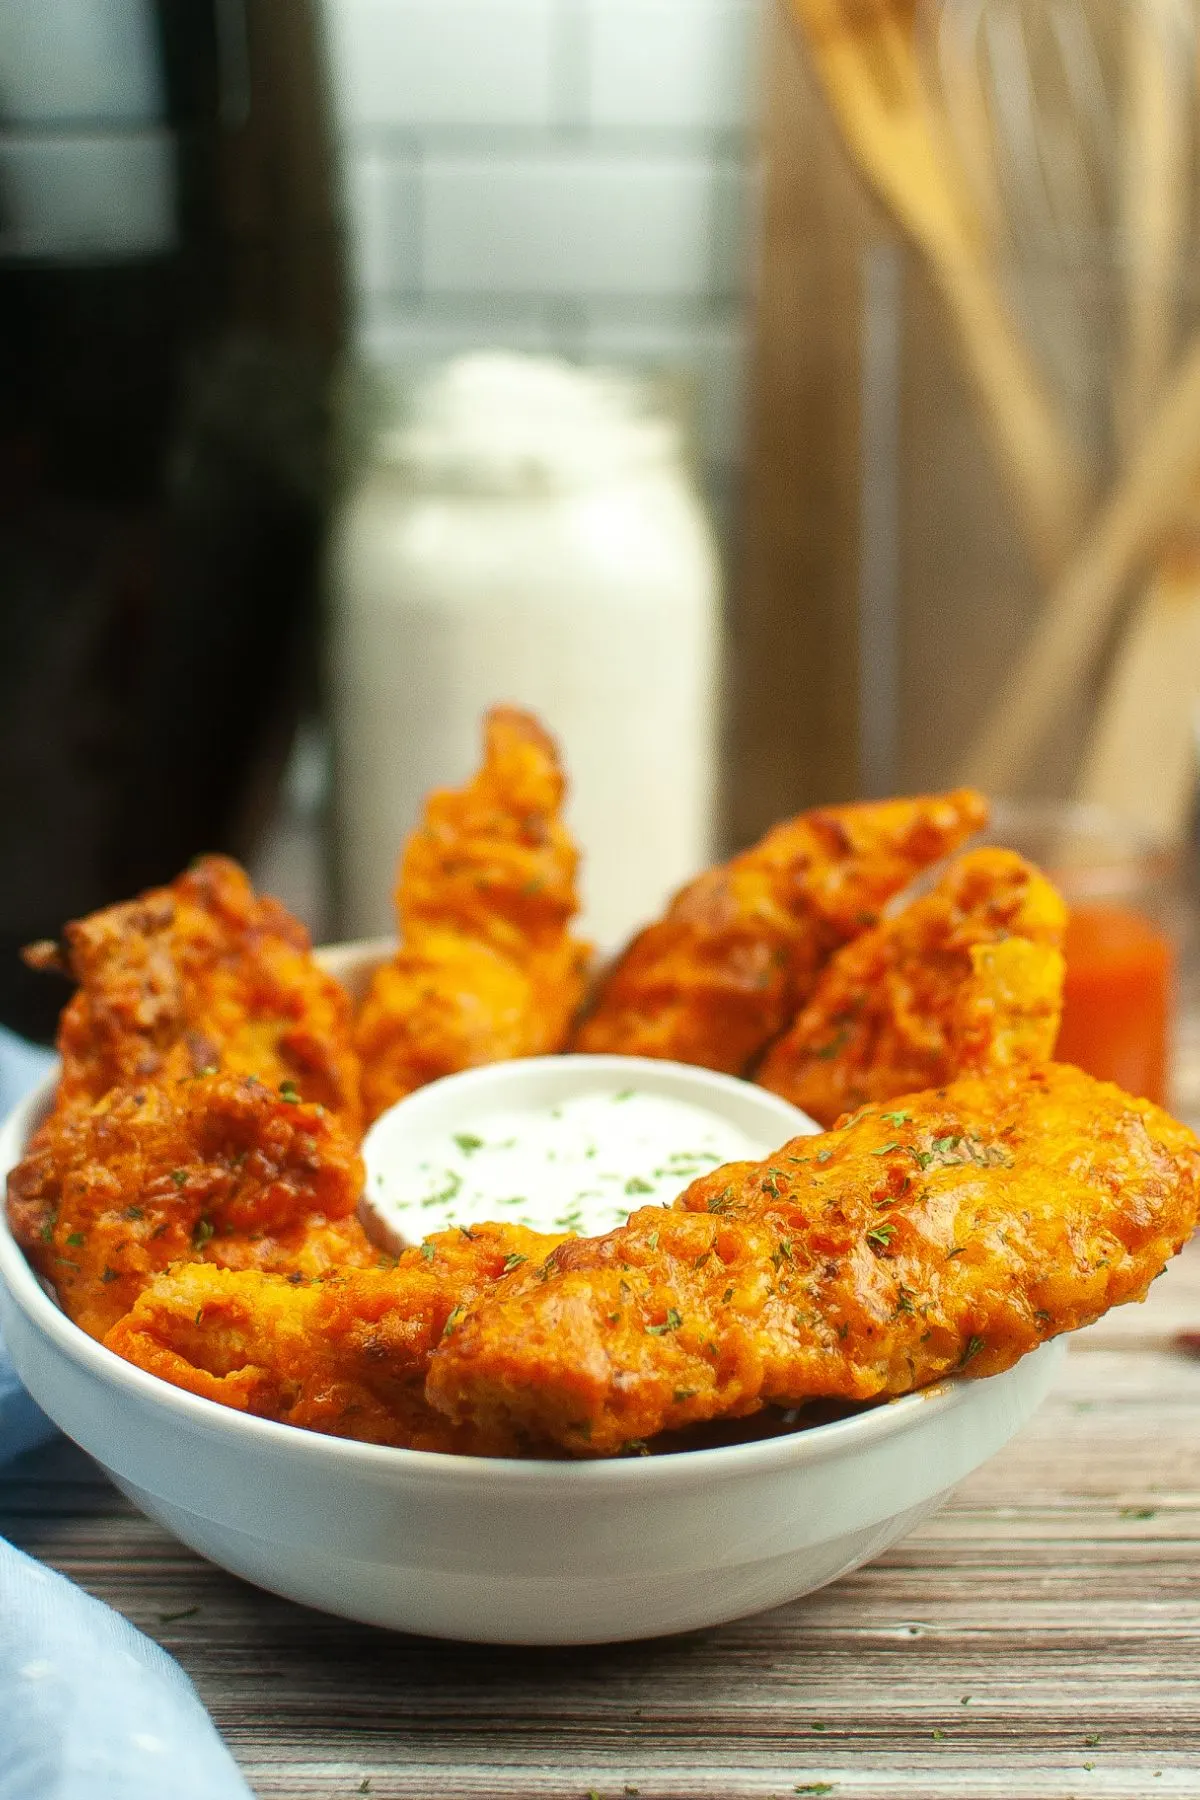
[581, 1163]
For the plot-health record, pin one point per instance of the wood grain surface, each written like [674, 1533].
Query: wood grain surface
[1040, 1637]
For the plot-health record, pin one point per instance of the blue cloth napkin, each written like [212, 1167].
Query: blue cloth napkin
[89, 1708]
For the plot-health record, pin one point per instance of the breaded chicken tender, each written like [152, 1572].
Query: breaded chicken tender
[739, 949]
[201, 974]
[949, 1231]
[487, 968]
[969, 976]
[217, 1169]
[347, 1355]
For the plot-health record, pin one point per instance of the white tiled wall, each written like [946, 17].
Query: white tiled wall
[564, 175]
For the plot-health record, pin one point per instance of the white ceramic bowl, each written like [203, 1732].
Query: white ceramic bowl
[505, 1551]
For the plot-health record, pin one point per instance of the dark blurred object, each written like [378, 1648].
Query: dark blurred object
[170, 305]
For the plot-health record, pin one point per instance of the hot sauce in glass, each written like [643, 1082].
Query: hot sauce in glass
[1123, 893]
[1117, 999]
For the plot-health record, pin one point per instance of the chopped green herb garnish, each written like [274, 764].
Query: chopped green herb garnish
[682, 1394]
[672, 1322]
[513, 1262]
[974, 1346]
[202, 1231]
[290, 1092]
[885, 1150]
[468, 1142]
[450, 1191]
[881, 1236]
[625, 1094]
[953, 1151]
[823, 1156]
[956, 1251]
[110, 1275]
[133, 1212]
[635, 1185]
[179, 1177]
[77, 1239]
[428, 1252]
[897, 1118]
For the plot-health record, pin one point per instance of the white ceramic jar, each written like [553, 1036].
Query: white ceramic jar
[527, 533]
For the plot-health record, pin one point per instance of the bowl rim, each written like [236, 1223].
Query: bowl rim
[616, 1475]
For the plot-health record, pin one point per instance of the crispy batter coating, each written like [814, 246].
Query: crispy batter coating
[953, 1230]
[969, 976]
[487, 969]
[217, 1169]
[739, 948]
[347, 1355]
[201, 974]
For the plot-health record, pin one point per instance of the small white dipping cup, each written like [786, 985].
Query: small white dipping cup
[485, 1145]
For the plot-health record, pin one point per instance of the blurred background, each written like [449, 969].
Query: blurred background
[792, 399]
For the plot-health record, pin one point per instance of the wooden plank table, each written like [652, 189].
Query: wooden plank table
[1038, 1637]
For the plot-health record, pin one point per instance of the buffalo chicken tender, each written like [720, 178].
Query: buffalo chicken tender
[969, 976]
[201, 974]
[347, 1355]
[218, 1170]
[948, 1231]
[739, 949]
[487, 968]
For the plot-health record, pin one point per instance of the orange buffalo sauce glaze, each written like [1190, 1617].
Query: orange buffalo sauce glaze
[1117, 1002]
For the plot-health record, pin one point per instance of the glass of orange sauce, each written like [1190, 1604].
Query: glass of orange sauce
[1124, 936]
